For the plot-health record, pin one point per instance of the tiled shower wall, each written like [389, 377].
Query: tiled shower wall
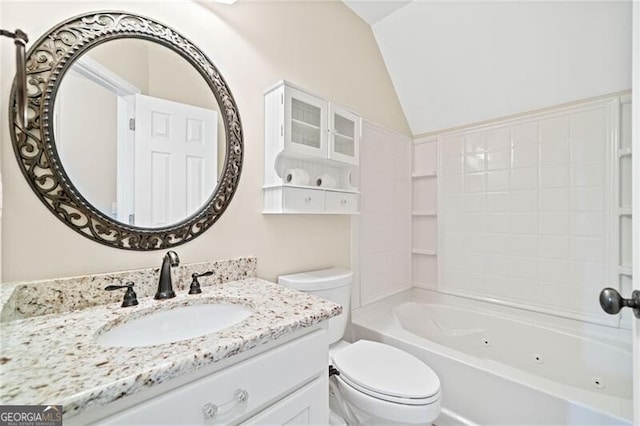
[381, 243]
[529, 209]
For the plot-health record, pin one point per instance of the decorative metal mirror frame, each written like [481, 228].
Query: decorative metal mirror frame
[35, 149]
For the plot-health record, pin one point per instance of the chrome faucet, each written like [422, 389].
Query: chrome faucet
[165, 287]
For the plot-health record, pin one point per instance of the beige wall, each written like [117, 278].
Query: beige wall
[127, 58]
[85, 121]
[322, 46]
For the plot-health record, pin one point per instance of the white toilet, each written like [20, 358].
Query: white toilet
[378, 384]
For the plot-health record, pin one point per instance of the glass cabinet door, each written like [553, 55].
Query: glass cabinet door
[344, 135]
[306, 123]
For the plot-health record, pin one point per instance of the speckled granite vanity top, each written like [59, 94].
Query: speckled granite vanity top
[55, 359]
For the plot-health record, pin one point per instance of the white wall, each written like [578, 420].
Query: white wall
[528, 210]
[322, 46]
[85, 118]
[456, 63]
[383, 227]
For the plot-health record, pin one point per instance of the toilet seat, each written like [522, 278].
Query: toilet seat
[386, 373]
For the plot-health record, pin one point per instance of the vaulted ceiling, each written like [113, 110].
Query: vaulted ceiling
[454, 63]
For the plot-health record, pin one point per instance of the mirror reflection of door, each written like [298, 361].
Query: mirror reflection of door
[175, 158]
[138, 137]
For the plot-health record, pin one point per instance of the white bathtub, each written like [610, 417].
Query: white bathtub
[500, 365]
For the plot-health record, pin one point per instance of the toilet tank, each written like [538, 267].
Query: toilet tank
[332, 284]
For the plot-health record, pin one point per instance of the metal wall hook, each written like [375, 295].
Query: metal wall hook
[20, 39]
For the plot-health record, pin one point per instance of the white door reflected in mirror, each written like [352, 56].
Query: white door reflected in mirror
[137, 129]
[174, 162]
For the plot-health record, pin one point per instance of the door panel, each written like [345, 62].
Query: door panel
[175, 160]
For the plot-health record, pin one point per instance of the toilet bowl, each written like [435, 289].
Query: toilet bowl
[377, 383]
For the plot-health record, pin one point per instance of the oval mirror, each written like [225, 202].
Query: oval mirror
[133, 139]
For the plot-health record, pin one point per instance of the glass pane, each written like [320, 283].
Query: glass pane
[344, 146]
[344, 136]
[305, 123]
[309, 114]
[344, 126]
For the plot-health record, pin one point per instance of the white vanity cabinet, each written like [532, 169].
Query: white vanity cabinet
[320, 142]
[284, 385]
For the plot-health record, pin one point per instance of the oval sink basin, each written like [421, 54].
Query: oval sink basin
[174, 325]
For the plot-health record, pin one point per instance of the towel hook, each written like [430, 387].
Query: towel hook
[20, 39]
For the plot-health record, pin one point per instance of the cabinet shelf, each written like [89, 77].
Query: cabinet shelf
[341, 136]
[317, 188]
[309, 136]
[424, 175]
[424, 252]
[305, 124]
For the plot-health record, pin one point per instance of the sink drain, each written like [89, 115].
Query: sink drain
[538, 359]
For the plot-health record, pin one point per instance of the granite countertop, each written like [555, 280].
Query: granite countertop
[55, 359]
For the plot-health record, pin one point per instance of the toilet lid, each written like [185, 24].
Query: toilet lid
[385, 370]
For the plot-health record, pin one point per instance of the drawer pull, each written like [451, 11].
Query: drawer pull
[307, 200]
[210, 410]
[343, 201]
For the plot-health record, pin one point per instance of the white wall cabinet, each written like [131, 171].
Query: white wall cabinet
[344, 135]
[311, 148]
[285, 385]
[305, 122]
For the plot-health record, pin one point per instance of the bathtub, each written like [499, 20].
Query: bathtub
[500, 365]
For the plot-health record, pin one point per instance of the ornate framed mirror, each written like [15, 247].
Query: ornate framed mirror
[133, 137]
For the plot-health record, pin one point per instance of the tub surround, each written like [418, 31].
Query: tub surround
[55, 359]
[31, 299]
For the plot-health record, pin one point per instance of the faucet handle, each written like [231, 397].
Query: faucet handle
[130, 296]
[195, 284]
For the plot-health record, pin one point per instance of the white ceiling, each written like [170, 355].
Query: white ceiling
[454, 63]
[371, 11]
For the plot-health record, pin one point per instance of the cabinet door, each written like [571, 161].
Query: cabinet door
[306, 406]
[305, 121]
[264, 378]
[344, 135]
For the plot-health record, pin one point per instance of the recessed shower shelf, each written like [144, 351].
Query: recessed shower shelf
[424, 213]
[624, 212]
[424, 175]
[424, 252]
[422, 284]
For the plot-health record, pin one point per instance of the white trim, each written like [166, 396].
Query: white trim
[624, 94]
[635, 167]
[385, 129]
[98, 73]
[526, 118]
[612, 195]
[125, 93]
